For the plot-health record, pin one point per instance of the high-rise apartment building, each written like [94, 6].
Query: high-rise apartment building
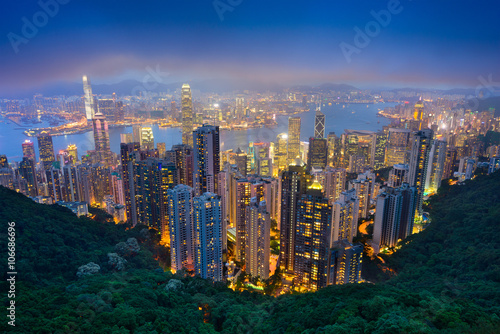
[345, 263]
[207, 237]
[345, 216]
[27, 172]
[257, 239]
[398, 144]
[418, 166]
[437, 157]
[180, 214]
[206, 159]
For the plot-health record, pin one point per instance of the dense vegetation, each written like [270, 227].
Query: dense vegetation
[447, 281]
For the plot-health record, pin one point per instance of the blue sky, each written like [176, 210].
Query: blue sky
[426, 44]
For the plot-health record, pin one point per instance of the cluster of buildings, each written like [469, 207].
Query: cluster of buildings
[212, 207]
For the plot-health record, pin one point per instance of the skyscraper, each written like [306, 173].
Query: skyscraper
[54, 182]
[89, 99]
[208, 236]
[184, 163]
[437, 156]
[418, 115]
[394, 216]
[257, 239]
[317, 154]
[398, 175]
[187, 115]
[27, 172]
[126, 149]
[398, 143]
[294, 183]
[293, 138]
[319, 124]
[240, 107]
[73, 152]
[147, 139]
[29, 150]
[46, 150]
[180, 214]
[345, 262]
[101, 139]
[312, 238]
[345, 216]
[206, 159]
[417, 173]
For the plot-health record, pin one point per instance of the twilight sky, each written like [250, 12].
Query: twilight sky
[427, 43]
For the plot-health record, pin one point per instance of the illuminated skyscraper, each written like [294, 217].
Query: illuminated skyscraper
[29, 150]
[333, 150]
[54, 181]
[147, 139]
[184, 163]
[394, 216]
[207, 238]
[73, 152]
[419, 161]
[89, 99]
[101, 139]
[345, 216]
[161, 147]
[46, 150]
[317, 154]
[71, 183]
[380, 146]
[187, 115]
[240, 107]
[319, 124]
[242, 198]
[206, 157]
[27, 172]
[312, 238]
[180, 214]
[333, 181]
[437, 156]
[418, 115]
[398, 144]
[293, 138]
[345, 263]
[257, 239]
[398, 175]
[294, 183]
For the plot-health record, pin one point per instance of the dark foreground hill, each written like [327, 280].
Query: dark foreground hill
[447, 279]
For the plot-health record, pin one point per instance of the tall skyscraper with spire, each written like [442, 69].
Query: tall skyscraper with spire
[319, 124]
[101, 139]
[187, 115]
[89, 98]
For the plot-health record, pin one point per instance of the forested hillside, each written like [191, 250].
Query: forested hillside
[447, 279]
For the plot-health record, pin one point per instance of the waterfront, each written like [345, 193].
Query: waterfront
[338, 118]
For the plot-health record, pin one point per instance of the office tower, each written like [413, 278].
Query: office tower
[206, 159]
[207, 237]
[71, 184]
[4, 162]
[136, 130]
[333, 149]
[29, 150]
[161, 147]
[73, 152]
[319, 124]
[46, 150]
[418, 115]
[241, 161]
[90, 107]
[180, 217]
[394, 216]
[184, 163]
[304, 149]
[147, 139]
[119, 112]
[54, 183]
[345, 216]
[257, 239]
[380, 145]
[398, 143]
[293, 138]
[126, 149]
[364, 190]
[101, 139]
[27, 172]
[312, 238]
[318, 153]
[280, 156]
[345, 263]
[357, 143]
[294, 183]
[126, 138]
[187, 115]
[398, 175]
[450, 163]
[437, 156]
[357, 163]
[240, 107]
[251, 159]
[417, 173]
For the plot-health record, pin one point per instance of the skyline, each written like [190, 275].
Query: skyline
[422, 45]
